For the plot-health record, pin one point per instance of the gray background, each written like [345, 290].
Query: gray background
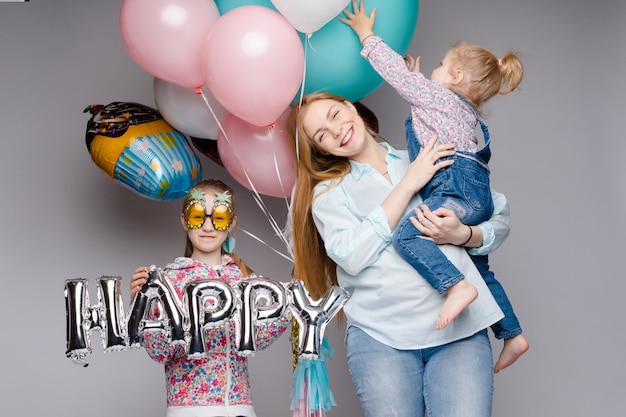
[558, 153]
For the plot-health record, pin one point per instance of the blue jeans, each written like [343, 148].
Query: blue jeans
[463, 188]
[453, 380]
[508, 326]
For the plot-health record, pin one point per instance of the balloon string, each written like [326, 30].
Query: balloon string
[277, 168]
[260, 202]
[217, 120]
[257, 198]
[273, 223]
[308, 40]
[261, 241]
[255, 194]
[307, 44]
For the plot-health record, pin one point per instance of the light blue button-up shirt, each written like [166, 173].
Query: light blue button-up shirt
[388, 299]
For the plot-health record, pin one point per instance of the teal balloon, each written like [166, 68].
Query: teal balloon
[333, 60]
[227, 5]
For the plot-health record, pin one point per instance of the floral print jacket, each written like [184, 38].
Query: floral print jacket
[219, 380]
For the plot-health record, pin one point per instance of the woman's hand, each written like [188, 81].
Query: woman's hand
[140, 277]
[443, 226]
[415, 178]
[427, 163]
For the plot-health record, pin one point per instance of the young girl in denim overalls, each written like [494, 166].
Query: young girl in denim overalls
[448, 105]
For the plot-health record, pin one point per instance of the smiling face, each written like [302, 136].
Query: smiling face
[335, 128]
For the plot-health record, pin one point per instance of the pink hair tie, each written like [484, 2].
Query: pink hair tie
[500, 62]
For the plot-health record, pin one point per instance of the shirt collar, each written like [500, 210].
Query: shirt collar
[358, 169]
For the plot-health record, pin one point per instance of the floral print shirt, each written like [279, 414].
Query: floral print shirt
[219, 381]
[434, 108]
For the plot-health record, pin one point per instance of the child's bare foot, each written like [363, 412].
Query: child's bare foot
[513, 348]
[459, 296]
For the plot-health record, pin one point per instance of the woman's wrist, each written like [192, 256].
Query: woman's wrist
[469, 237]
[473, 237]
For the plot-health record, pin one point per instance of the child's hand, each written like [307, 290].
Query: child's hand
[362, 25]
[413, 64]
[140, 277]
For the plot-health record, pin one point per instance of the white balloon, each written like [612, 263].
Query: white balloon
[309, 16]
[187, 111]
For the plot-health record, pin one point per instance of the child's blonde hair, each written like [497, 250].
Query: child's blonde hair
[216, 186]
[487, 74]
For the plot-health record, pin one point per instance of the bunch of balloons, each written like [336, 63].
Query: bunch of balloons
[229, 70]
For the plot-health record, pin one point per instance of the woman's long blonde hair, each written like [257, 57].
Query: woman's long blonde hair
[216, 186]
[311, 264]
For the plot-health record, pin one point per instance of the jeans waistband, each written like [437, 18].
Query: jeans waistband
[473, 158]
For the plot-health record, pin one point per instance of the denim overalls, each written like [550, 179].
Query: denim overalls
[464, 188]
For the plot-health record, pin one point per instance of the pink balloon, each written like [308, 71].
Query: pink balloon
[253, 63]
[262, 152]
[166, 37]
[187, 111]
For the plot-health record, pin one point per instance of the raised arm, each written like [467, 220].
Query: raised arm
[400, 72]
